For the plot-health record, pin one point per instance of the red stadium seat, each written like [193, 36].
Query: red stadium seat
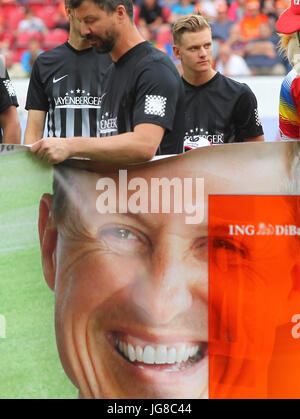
[23, 38]
[14, 18]
[8, 8]
[166, 13]
[7, 37]
[16, 56]
[47, 14]
[164, 36]
[55, 37]
[136, 13]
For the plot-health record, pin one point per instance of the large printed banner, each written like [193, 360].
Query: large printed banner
[176, 279]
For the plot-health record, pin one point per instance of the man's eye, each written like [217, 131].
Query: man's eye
[230, 246]
[119, 233]
[123, 240]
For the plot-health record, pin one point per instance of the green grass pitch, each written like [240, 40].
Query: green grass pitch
[29, 363]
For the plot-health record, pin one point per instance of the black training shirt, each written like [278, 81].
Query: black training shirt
[221, 111]
[143, 86]
[66, 83]
[7, 92]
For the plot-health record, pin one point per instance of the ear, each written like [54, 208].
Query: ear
[176, 51]
[121, 12]
[48, 240]
[68, 12]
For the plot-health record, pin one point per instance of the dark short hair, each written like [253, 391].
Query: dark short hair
[108, 5]
[68, 4]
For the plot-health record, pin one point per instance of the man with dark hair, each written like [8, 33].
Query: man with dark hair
[108, 6]
[66, 83]
[142, 108]
[218, 109]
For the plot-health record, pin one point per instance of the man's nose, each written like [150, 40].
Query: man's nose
[84, 29]
[202, 52]
[165, 292]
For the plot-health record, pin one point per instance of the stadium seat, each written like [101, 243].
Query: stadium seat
[7, 36]
[16, 56]
[136, 13]
[47, 14]
[166, 13]
[7, 9]
[54, 38]
[22, 40]
[14, 18]
[164, 36]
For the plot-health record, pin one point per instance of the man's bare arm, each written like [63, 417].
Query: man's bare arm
[35, 126]
[131, 147]
[10, 124]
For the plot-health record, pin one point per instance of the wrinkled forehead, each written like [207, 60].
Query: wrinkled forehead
[257, 168]
[174, 192]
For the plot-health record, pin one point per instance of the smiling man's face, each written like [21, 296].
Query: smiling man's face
[132, 289]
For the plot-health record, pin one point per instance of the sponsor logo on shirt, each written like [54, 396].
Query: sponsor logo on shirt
[78, 99]
[57, 80]
[155, 105]
[195, 137]
[9, 87]
[257, 119]
[108, 125]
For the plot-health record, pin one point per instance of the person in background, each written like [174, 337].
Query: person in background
[10, 130]
[30, 55]
[65, 84]
[261, 54]
[217, 108]
[31, 23]
[230, 64]
[251, 22]
[288, 25]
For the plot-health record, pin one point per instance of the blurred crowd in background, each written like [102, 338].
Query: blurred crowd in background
[245, 41]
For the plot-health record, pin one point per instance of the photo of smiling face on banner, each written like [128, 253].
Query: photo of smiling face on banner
[126, 253]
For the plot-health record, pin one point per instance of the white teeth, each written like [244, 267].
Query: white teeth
[157, 355]
[171, 356]
[139, 354]
[131, 353]
[161, 354]
[180, 353]
[149, 355]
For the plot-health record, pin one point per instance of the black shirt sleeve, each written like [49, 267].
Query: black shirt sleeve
[36, 96]
[156, 96]
[246, 118]
[7, 93]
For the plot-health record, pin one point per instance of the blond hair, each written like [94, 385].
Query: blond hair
[189, 23]
[283, 42]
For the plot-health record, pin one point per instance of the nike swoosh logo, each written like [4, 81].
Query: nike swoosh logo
[56, 81]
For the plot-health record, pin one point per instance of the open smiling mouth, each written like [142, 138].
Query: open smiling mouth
[163, 357]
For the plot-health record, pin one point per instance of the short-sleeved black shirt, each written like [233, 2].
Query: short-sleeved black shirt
[66, 83]
[143, 86]
[7, 92]
[221, 111]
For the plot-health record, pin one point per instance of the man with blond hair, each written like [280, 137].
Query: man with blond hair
[217, 108]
